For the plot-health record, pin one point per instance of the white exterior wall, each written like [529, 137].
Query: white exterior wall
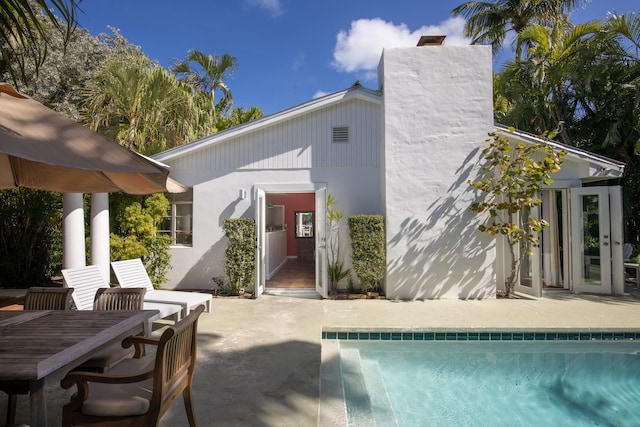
[293, 155]
[437, 114]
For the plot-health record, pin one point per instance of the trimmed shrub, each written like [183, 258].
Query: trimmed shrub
[240, 260]
[368, 250]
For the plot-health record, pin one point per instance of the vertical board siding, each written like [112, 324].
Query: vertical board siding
[302, 142]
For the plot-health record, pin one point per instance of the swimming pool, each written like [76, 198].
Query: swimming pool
[594, 382]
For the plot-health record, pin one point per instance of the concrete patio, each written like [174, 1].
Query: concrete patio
[259, 360]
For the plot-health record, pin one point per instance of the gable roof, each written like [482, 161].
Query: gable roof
[356, 91]
[613, 168]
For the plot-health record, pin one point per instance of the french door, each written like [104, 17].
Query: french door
[596, 239]
[321, 243]
[529, 281]
[581, 249]
[260, 207]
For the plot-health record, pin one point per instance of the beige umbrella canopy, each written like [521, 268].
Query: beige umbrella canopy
[42, 149]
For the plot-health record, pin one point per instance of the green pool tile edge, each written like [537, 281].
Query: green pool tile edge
[483, 335]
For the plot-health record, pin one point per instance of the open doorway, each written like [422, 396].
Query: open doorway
[290, 241]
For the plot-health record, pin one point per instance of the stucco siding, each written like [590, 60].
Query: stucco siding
[438, 112]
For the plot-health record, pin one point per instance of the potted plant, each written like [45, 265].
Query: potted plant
[335, 270]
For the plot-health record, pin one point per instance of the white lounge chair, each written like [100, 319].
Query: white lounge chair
[627, 251]
[87, 280]
[131, 273]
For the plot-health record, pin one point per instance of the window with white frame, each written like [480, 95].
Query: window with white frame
[178, 222]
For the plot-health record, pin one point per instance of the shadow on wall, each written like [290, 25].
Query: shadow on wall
[443, 254]
[211, 263]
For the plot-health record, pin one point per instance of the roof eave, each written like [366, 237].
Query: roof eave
[356, 91]
[614, 168]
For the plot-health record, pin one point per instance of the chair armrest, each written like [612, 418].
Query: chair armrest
[81, 380]
[77, 377]
[139, 342]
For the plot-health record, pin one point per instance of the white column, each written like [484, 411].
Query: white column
[100, 249]
[73, 250]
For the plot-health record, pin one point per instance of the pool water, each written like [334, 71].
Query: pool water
[441, 383]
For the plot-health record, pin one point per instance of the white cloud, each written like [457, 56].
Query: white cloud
[359, 49]
[274, 7]
[298, 62]
[319, 94]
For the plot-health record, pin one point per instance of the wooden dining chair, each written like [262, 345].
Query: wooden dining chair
[113, 299]
[43, 298]
[119, 299]
[138, 391]
[36, 298]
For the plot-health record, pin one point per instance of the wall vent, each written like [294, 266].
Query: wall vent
[341, 134]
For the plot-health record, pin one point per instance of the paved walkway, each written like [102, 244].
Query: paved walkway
[259, 360]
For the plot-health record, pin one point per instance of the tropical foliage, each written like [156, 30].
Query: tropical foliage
[580, 78]
[336, 270]
[490, 22]
[368, 244]
[30, 230]
[511, 185]
[208, 74]
[25, 30]
[135, 235]
[240, 257]
[113, 87]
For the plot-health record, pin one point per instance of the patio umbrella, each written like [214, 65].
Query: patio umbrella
[42, 149]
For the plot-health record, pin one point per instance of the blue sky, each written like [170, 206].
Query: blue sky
[289, 51]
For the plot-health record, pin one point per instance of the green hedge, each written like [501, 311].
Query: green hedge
[240, 254]
[368, 245]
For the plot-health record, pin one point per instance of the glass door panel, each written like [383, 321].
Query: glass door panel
[529, 282]
[321, 243]
[260, 214]
[591, 240]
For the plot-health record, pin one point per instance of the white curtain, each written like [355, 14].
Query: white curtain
[552, 274]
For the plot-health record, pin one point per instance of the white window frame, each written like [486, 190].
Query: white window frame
[173, 218]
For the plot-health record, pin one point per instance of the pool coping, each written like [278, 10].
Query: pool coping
[485, 334]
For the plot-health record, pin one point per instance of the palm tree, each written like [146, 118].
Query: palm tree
[238, 116]
[142, 106]
[553, 63]
[208, 73]
[489, 22]
[22, 27]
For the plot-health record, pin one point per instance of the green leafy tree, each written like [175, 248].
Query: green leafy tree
[25, 30]
[136, 235]
[208, 74]
[141, 106]
[513, 179]
[238, 116]
[586, 76]
[540, 86]
[489, 22]
[30, 237]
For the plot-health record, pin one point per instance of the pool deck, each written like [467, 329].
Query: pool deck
[259, 360]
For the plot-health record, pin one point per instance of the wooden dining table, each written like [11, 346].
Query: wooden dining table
[42, 346]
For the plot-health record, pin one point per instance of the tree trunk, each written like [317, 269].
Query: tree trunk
[510, 282]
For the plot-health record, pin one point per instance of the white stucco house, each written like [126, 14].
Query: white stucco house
[404, 150]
